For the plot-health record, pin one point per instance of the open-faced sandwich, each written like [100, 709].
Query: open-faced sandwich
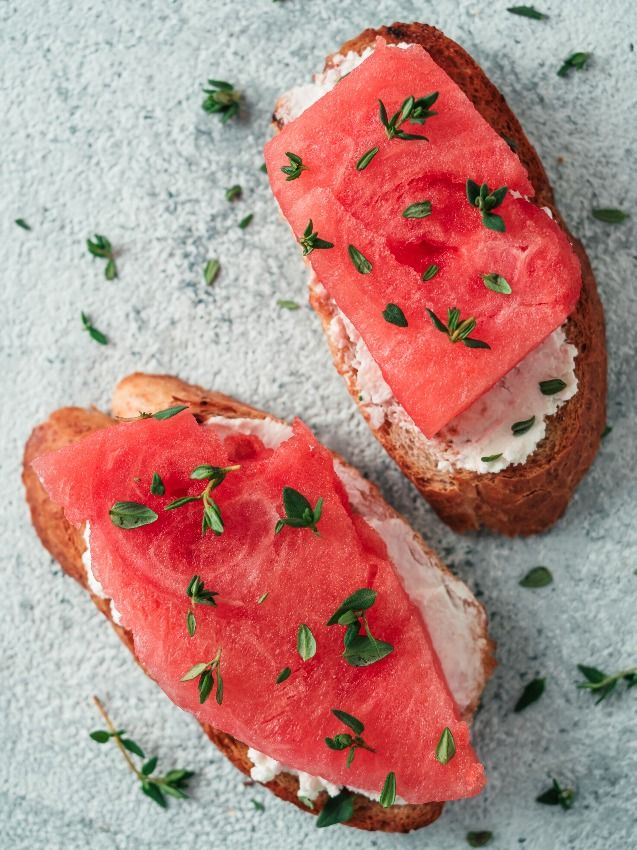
[462, 314]
[269, 590]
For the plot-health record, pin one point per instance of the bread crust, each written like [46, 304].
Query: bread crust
[148, 393]
[525, 498]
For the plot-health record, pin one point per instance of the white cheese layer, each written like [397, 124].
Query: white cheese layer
[484, 429]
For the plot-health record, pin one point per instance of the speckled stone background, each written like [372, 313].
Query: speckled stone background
[101, 130]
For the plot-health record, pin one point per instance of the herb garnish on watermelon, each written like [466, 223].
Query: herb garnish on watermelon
[366, 158]
[388, 794]
[430, 271]
[345, 741]
[299, 512]
[198, 595]
[456, 330]
[206, 672]
[446, 748]
[413, 109]
[395, 316]
[496, 283]
[131, 515]
[310, 240]
[215, 475]
[486, 200]
[361, 263]
[359, 650]
[305, 642]
[295, 168]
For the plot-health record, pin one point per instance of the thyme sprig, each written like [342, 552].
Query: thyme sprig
[557, 796]
[92, 331]
[198, 595]
[602, 684]
[456, 330]
[171, 784]
[295, 168]
[415, 110]
[486, 200]
[162, 415]
[221, 98]
[214, 475]
[101, 247]
[206, 671]
[360, 650]
[310, 240]
[299, 512]
[345, 741]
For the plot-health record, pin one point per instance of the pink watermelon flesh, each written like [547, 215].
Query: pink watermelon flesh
[433, 378]
[403, 700]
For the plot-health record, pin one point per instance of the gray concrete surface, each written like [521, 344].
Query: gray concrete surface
[101, 130]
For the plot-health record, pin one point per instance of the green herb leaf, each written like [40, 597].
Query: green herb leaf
[366, 158]
[222, 99]
[420, 209]
[283, 675]
[169, 412]
[258, 806]
[194, 672]
[490, 458]
[149, 766]
[92, 331]
[552, 386]
[299, 512]
[606, 431]
[205, 686]
[537, 577]
[152, 790]
[576, 61]
[337, 809]
[306, 801]
[133, 747]
[211, 271]
[524, 12]
[246, 221]
[157, 485]
[22, 223]
[486, 200]
[284, 304]
[131, 515]
[557, 796]
[295, 168]
[446, 748]
[310, 240]
[610, 216]
[305, 642]
[531, 693]
[360, 600]
[262, 598]
[394, 315]
[361, 264]
[493, 222]
[191, 623]
[234, 192]
[101, 247]
[388, 794]
[603, 684]
[361, 651]
[496, 283]
[180, 502]
[100, 736]
[430, 271]
[413, 109]
[457, 330]
[519, 428]
[483, 837]
[349, 720]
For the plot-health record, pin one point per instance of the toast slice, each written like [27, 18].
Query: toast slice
[524, 498]
[149, 393]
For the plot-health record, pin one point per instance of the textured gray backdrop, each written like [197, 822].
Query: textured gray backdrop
[101, 130]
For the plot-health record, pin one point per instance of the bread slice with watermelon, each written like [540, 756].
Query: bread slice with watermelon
[288, 679]
[461, 312]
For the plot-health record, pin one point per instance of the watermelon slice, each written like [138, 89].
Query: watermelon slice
[402, 700]
[433, 378]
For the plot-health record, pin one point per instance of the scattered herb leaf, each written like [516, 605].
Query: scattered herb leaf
[234, 192]
[198, 595]
[482, 837]
[283, 675]
[446, 748]
[361, 263]
[263, 167]
[214, 475]
[421, 209]
[552, 386]
[211, 271]
[157, 485]
[337, 809]
[131, 515]
[456, 330]
[388, 794]
[349, 720]
[305, 642]
[486, 200]
[310, 240]
[221, 98]
[531, 693]
[299, 512]
[295, 168]
[606, 431]
[246, 221]
[284, 304]
[345, 741]
[610, 216]
[22, 223]
[519, 428]
[366, 158]
[394, 315]
[93, 332]
[602, 684]
[537, 577]
[430, 271]
[360, 650]
[577, 61]
[101, 247]
[557, 796]
[416, 110]
[525, 12]
[258, 806]
[263, 597]
[172, 784]
[490, 458]
[206, 672]
[496, 283]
